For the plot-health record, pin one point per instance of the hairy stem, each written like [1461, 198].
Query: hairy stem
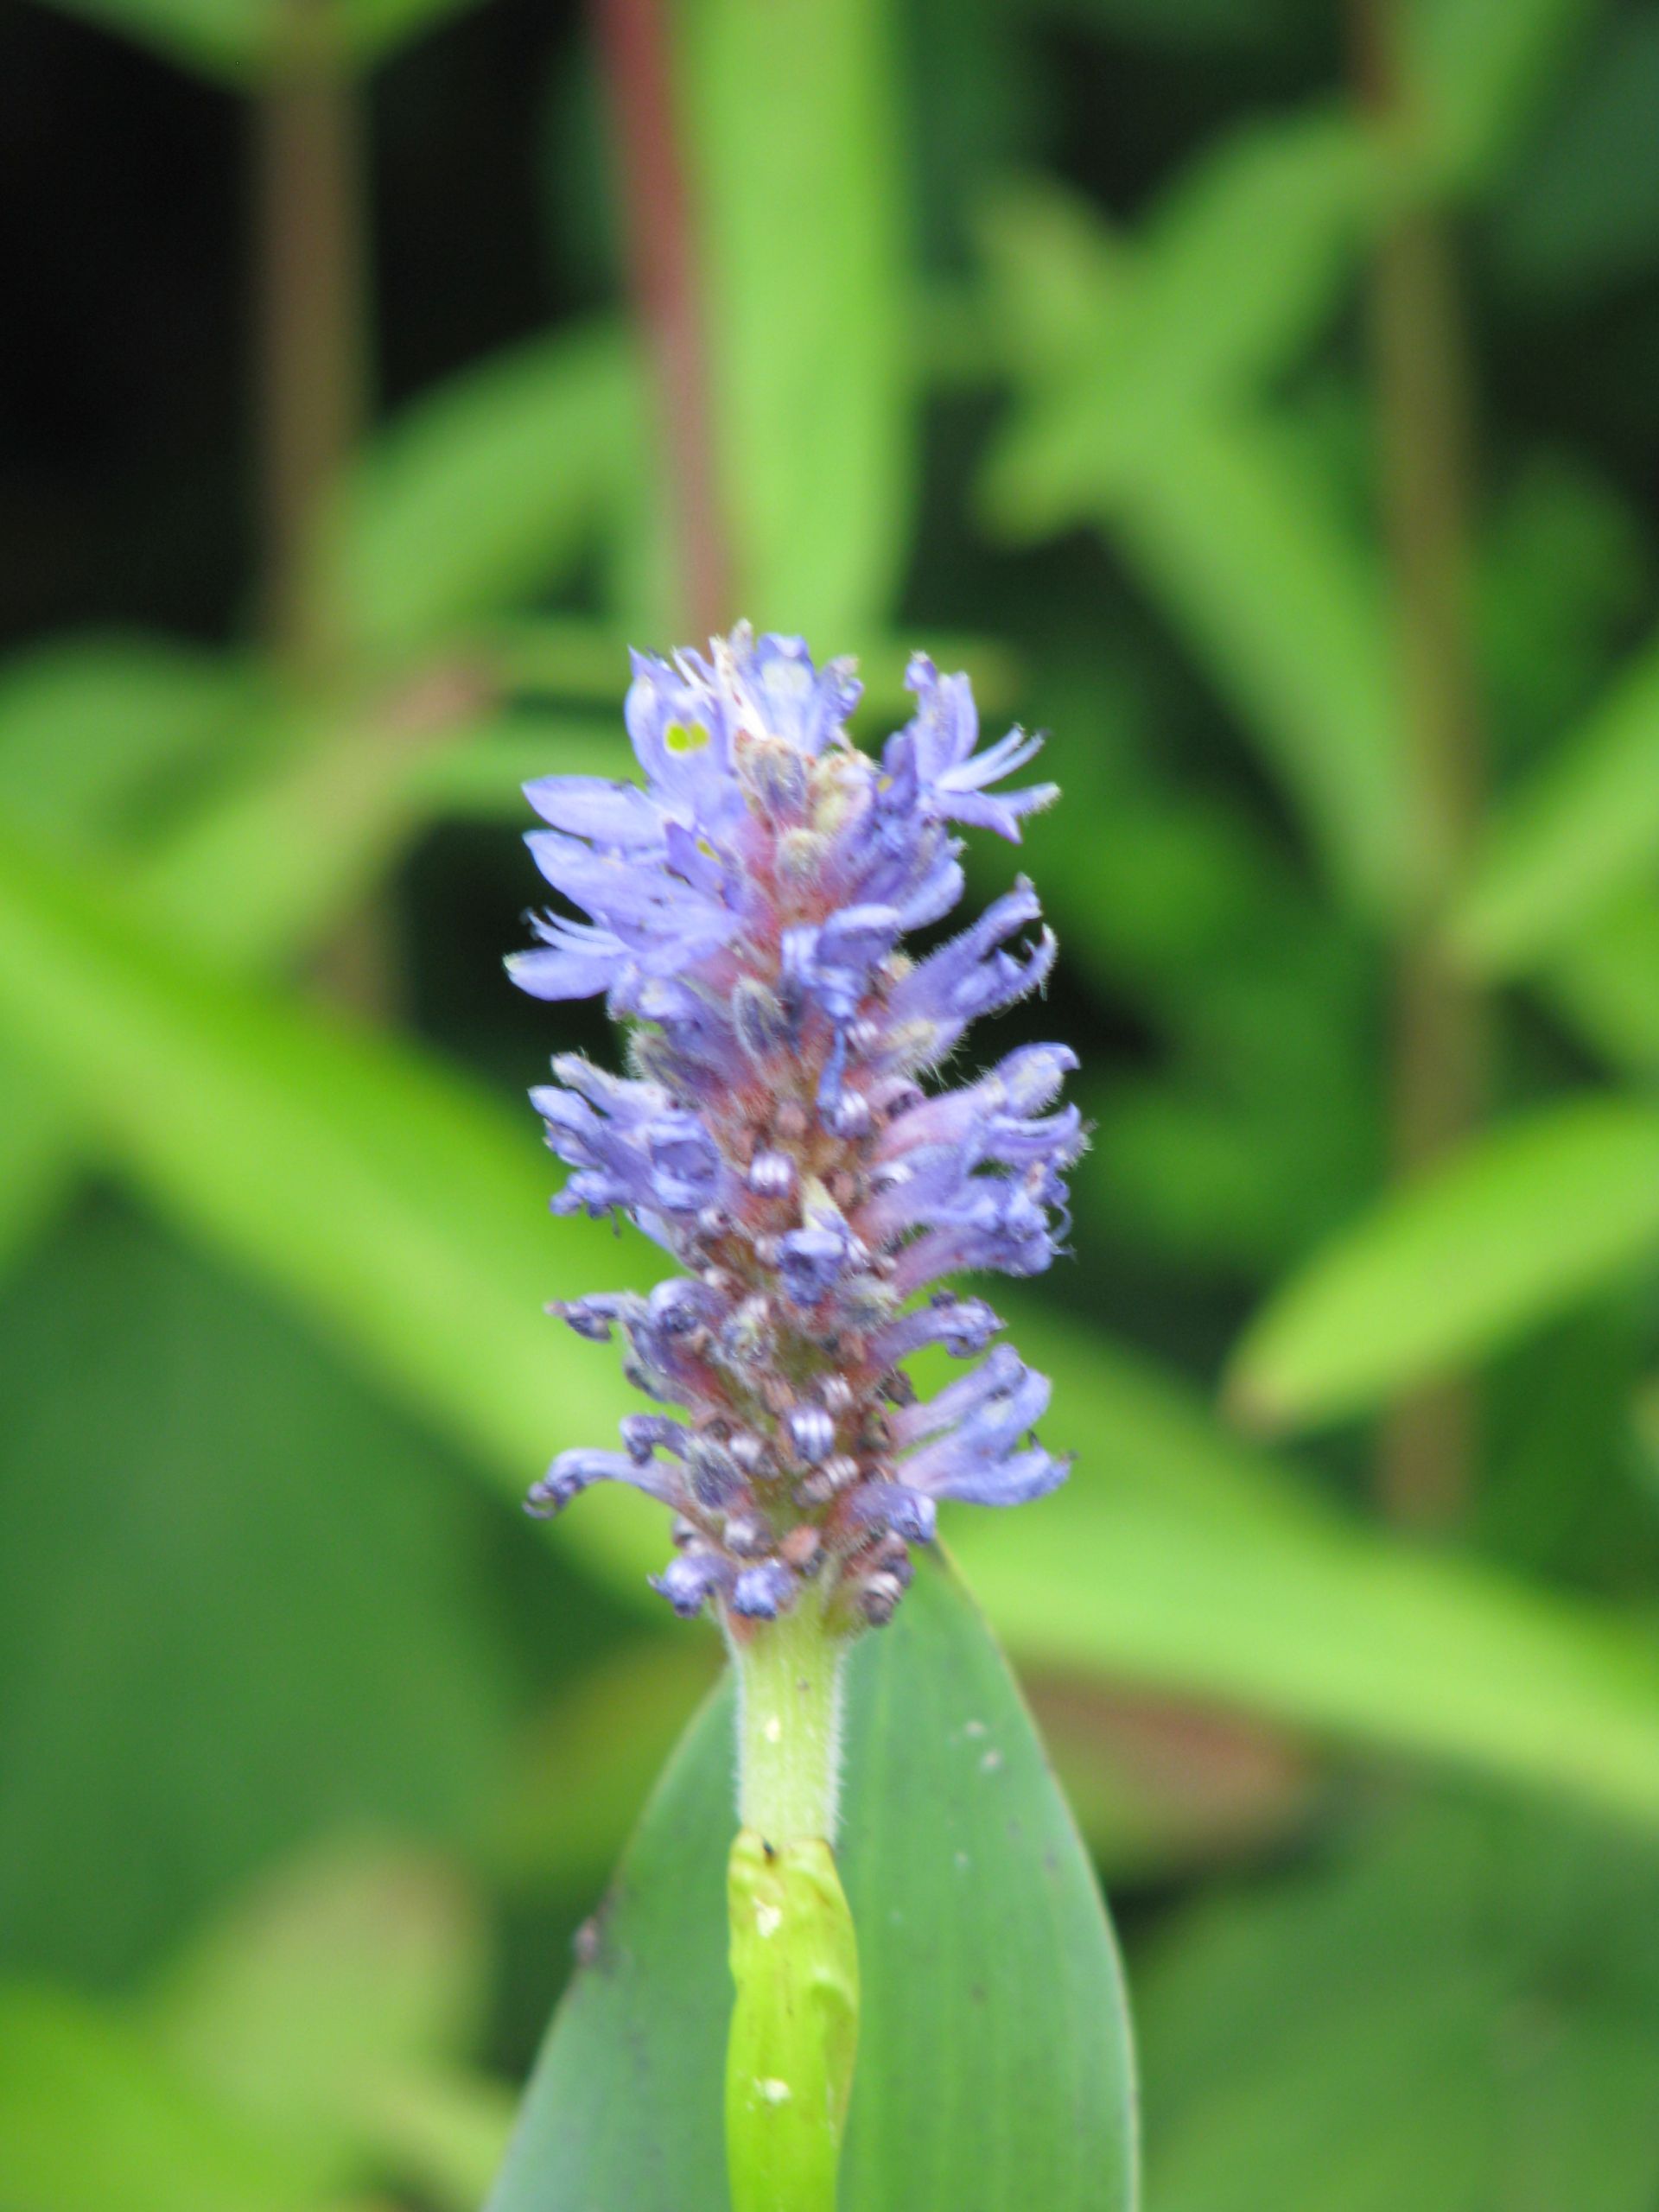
[794, 1955]
[1428, 1441]
[789, 1675]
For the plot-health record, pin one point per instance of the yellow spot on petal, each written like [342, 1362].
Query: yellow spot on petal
[685, 737]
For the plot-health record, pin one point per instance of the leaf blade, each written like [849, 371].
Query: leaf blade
[969, 2061]
[805, 304]
[1181, 1556]
[1580, 833]
[1508, 1233]
[392, 1199]
[486, 488]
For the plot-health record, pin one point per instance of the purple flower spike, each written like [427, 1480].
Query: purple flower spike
[743, 909]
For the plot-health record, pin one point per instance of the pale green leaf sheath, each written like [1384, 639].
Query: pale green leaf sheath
[794, 2031]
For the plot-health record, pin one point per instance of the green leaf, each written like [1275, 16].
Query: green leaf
[1512, 1232]
[1177, 1555]
[1247, 554]
[232, 42]
[1144, 1803]
[1238, 265]
[586, 1767]
[1390, 1984]
[392, 1200]
[1584, 828]
[103, 735]
[1060, 278]
[1248, 255]
[241, 42]
[1561, 1491]
[350, 1964]
[119, 746]
[441, 2133]
[1583, 215]
[238, 1600]
[1277, 597]
[253, 879]
[330, 2007]
[1224, 24]
[38, 1169]
[1604, 983]
[1563, 580]
[372, 29]
[1259, 1131]
[993, 2061]
[488, 490]
[1141, 425]
[1223, 1179]
[94, 2120]
[804, 304]
[251, 820]
[1479, 69]
[302, 2045]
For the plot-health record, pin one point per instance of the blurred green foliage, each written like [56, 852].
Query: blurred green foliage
[1036, 332]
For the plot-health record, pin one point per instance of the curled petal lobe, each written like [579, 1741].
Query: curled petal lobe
[1019, 1479]
[763, 1593]
[689, 1582]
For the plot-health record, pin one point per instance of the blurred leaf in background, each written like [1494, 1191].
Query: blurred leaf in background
[1462, 2003]
[265, 1614]
[306, 2040]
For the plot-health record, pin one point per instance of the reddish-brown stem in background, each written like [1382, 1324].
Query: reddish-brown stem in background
[310, 260]
[635, 46]
[1428, 1441]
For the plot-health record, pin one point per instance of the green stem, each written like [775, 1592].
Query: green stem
[789, 1725]
[794, 1956]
